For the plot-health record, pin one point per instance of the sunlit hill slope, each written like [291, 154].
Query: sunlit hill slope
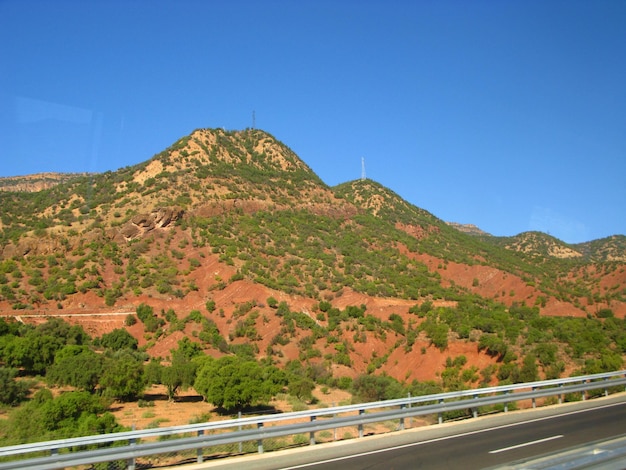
[253, 253]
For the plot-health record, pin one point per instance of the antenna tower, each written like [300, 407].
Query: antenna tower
[253, 119]
[363, 177]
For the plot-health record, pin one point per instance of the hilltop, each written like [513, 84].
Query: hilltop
[238, 245]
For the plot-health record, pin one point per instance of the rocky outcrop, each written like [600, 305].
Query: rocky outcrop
[139, 225]
[31, 245]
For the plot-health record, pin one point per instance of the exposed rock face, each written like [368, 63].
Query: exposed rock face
[141, 224]
[31, 246]
[49, 244]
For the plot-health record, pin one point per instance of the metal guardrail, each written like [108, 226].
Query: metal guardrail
[400, 409]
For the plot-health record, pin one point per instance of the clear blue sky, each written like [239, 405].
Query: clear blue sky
[510, 115]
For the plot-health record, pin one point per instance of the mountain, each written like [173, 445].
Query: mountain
[237, 244]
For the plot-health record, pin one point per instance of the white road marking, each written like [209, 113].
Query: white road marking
[525, 444]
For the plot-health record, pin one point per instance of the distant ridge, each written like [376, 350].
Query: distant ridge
[36, 182]
[470, 229]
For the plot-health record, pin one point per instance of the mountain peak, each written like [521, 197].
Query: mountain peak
[213, 165]
[541, 244]
[215, 150]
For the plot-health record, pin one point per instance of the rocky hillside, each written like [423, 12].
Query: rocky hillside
[236, 244]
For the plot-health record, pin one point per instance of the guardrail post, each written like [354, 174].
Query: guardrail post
[402, 419]
[241, 443]
[410, 421]
[440, 415]
[130, 464]
[474, 408]
[534, 399]
[260, 441]
[199, 455]
[560, 395]
[312, 433]
[606, 388]
[360, 425]
[334, 429]
[506, 403]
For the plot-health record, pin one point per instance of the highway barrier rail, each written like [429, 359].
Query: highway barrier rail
[125, 448]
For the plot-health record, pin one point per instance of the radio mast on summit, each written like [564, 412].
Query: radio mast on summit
[363, 169]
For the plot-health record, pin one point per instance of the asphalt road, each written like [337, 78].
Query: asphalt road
[470, 444]
[497, 446]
